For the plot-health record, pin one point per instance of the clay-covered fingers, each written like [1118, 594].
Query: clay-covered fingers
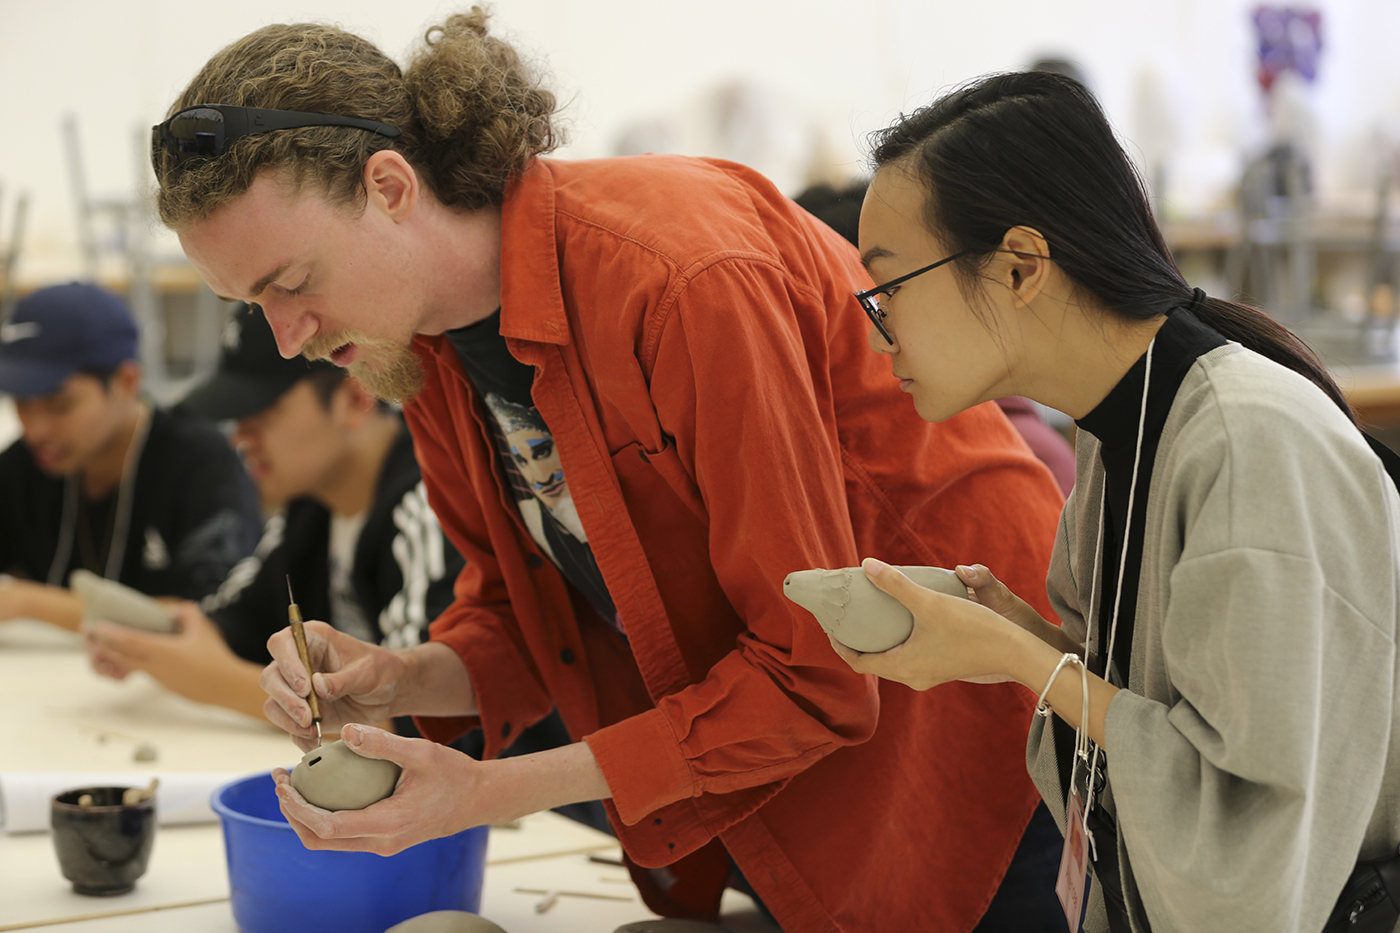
[283, 648]
[288, 683]
[354, 681]
[285, 708]
[412, 814]
[303, 736]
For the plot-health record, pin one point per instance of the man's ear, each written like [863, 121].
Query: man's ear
[391, 184]
[125, 380]
[354, 402]
[1024, 261]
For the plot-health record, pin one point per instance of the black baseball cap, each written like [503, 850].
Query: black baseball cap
[61, 330]
[252, 374]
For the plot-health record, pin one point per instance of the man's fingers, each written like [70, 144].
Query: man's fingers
[286, 707]
[303, 736]
[370, 829]
[359, 678]
[371, 742]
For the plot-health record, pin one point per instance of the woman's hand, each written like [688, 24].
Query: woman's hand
[355, 682]
[953, 639]
[992, 593]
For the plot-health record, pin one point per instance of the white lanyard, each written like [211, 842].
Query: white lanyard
[1122, 562]
[116, 553]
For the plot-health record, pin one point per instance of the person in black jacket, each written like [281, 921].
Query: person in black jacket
[353, 533]
[102, 479]
[353, 536]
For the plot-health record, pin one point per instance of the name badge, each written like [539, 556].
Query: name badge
[1074, 863]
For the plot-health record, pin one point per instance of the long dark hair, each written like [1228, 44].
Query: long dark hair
[1035, 149]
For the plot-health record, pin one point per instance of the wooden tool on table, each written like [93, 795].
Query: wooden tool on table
[299, 634]
[134, 796]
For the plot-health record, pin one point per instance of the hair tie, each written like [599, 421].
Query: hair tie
[1198, 297]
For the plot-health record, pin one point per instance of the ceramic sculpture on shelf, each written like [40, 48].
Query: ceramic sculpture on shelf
[333, 777]
[855, 611]
[445, 921]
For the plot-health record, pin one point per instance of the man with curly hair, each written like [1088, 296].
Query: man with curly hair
[685, 343]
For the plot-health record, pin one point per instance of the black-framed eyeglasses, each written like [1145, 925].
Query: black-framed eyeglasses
[872, 306]
[205, 131]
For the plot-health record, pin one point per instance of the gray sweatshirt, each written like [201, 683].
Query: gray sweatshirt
[1252, 758]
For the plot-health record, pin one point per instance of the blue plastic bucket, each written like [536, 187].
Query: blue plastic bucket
[280, 886]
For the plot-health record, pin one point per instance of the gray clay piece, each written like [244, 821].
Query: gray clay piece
[333, 777]
[855, 611]
[115, 602]
[445, 921]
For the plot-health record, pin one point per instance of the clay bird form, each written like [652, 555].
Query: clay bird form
[855, 611]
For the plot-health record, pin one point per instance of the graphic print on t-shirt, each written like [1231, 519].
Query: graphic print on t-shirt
[530, 458]
[536, 461]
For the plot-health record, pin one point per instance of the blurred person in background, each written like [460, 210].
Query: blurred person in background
[101, 478]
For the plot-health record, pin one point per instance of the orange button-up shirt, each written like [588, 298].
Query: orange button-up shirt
[722, 422]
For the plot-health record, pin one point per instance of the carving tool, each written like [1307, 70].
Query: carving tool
[299, 635]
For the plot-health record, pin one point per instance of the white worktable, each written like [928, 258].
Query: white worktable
[59, 716]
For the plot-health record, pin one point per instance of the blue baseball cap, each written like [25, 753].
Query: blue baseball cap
[58, 331]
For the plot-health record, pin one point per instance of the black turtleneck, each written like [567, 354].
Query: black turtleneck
[1181, 340]
[1114, 422]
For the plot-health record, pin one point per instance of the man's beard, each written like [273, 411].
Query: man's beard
[389, 371]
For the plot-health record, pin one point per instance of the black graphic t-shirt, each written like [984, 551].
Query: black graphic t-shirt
[191, 514]
[530, 459]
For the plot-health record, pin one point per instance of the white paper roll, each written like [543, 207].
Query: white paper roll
[182, 796]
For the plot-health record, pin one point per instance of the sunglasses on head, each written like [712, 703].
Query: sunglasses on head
[205, 131]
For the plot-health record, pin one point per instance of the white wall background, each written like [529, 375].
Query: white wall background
[826, 72]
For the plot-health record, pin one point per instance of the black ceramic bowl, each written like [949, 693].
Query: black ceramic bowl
[102, 848]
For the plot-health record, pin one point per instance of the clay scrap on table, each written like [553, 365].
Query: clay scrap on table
[333, 777]
[856, 612]
[446, 921]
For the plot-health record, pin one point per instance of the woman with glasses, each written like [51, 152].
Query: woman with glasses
[1226, 564]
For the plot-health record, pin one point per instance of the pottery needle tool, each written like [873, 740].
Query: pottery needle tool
[299, 635]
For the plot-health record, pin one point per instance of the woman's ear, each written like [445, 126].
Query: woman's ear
[1025, 259]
